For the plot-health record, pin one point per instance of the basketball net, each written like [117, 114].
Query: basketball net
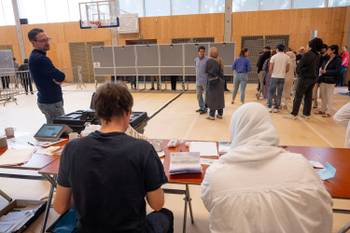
[95, 24]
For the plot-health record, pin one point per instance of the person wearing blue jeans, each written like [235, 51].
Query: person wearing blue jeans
[278, 68]
[241, 67]
[276, 85]
[240, 81]
[201, 79]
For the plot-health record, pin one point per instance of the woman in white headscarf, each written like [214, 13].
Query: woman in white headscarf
[259, 187]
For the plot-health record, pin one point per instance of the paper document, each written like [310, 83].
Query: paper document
[52, 150]
[48, 143]
[16, 156]
[327, 172]
[14, 220]
[204, 148]
[184, 162]
[208, 161]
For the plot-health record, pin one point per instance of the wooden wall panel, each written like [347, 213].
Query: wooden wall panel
[298, 24]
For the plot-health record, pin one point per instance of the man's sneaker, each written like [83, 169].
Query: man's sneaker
[219, 116]
[198, 110]
[291, 116]
[269, 109]
[305, 117]
[275, 110]
[202, 112]
[210, 118]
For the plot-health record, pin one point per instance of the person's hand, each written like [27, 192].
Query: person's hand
[323, 71]
[58, 83]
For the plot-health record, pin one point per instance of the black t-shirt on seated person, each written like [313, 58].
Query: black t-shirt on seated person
[110, 174]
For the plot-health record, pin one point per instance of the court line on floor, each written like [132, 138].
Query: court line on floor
[164, 106]
[318, 133]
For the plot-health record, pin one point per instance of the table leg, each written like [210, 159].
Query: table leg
[49, 200]
[185, 216]
[189, 199]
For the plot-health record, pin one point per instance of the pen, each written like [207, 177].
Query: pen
[30, 143]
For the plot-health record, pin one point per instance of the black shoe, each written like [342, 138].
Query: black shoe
[202, 112]
[152, 89]
[198, 110]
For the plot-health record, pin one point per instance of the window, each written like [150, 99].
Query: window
[339, 2]
[245, 5]
[57, 10]
[33, 10]
[185, 7]
[157, 7]
[274, 4]
[6, 13]
[212, 6]
[132, 6]
[309, 3]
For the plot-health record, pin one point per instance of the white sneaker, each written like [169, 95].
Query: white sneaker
[305, 117]
[275, 110]
[269, 109]
[291, 116]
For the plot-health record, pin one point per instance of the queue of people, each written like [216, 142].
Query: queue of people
[301, 78]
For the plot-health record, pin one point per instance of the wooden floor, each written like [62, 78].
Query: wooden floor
[177, 120]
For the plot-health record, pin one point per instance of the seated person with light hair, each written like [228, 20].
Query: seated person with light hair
[260, 187]
[107, 175]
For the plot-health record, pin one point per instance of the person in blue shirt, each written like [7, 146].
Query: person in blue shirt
[241, 67]
[46, 76]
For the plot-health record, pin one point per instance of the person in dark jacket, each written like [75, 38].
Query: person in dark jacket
[25, 77]
[324, 57]
[330, 73]
[307, 70]
[46, 76]
[261, 73]
[215, 99]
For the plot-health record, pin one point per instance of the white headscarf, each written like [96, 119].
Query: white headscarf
[253, 135]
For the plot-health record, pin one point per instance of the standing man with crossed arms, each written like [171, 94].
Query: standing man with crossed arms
[46, 76]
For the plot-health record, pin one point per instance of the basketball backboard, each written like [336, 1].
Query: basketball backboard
[97, 15]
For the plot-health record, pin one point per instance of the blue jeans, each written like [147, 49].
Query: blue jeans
[240, 81]
[51, 111]
[200, 90]
[276, 85]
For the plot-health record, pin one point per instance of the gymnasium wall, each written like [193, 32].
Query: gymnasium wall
[297, 23]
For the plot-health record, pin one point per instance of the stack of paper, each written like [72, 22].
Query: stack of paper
[13, 221]
[16, 156]
[204, 148]
[184, 162]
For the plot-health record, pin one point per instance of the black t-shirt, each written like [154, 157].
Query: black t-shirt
[110, 174]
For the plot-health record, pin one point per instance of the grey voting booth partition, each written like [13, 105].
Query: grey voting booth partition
[155, 60]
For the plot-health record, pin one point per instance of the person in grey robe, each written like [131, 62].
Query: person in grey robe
[215, 99]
